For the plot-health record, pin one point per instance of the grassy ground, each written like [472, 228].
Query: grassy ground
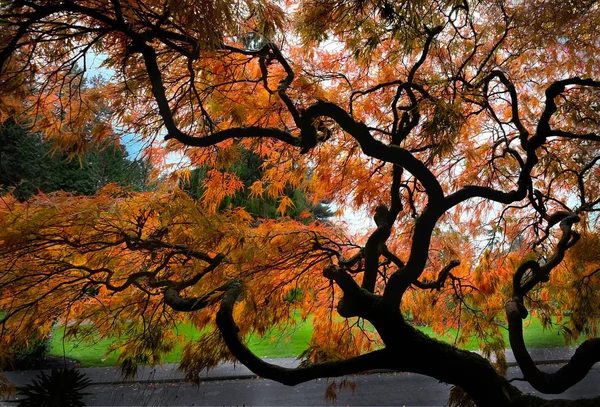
[534, 334]
[287, 342]
[282, 343]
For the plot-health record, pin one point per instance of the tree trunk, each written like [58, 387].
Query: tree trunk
[406, 350]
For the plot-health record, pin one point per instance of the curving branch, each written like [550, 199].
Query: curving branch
[395, 198]
[235, 132]
[177, 302]
[375, 360]
[543, 130]
[568, 239]
[136, 243]
[285, 83]
[566, 134]
[514, 102]
[342, 278]
[158, 90]
[374, 247]
[524, 282]
[410, 120]
[375, 148]
[531, 145]
[586, 355]
[442, 276]
[402, 279]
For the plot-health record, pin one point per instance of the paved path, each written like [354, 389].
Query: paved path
[390, 389]
[169, 372]
[164, 386]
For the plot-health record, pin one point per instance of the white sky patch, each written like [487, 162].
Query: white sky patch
[356, 221]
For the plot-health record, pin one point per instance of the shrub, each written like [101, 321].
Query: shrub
[32, 355]
[62, 388]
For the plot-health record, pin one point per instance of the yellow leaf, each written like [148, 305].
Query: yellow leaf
[285, 203]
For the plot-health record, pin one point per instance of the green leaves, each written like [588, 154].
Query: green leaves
[27, 166]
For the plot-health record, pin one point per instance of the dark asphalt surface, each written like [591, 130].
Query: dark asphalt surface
[400, 389]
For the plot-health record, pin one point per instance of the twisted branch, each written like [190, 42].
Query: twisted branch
[374, 360]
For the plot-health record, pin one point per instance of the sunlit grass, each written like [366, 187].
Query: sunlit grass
[535, 336]
[285, 342]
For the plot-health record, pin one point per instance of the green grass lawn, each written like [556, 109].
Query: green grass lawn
[534, 334]
[281, 343]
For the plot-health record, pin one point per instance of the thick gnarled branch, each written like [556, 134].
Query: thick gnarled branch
[575, 370]
[375, 148]
[585, 356]
[438, 283]
[229, 330]
[374, 247]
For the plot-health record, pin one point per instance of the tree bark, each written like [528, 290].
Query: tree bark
[406, 350]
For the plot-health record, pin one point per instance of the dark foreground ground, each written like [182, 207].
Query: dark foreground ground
[231, 384]
[372, 390]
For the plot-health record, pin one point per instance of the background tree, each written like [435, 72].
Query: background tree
[28, 166]
[463, 126]
[250, 169]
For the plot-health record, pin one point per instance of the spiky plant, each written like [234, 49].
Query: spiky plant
[62, 388]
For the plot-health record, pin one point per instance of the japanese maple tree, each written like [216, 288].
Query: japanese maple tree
[468, 129]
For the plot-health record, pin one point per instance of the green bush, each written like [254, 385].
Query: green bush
[31, 356]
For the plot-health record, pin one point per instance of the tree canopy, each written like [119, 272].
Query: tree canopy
[468, 129]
